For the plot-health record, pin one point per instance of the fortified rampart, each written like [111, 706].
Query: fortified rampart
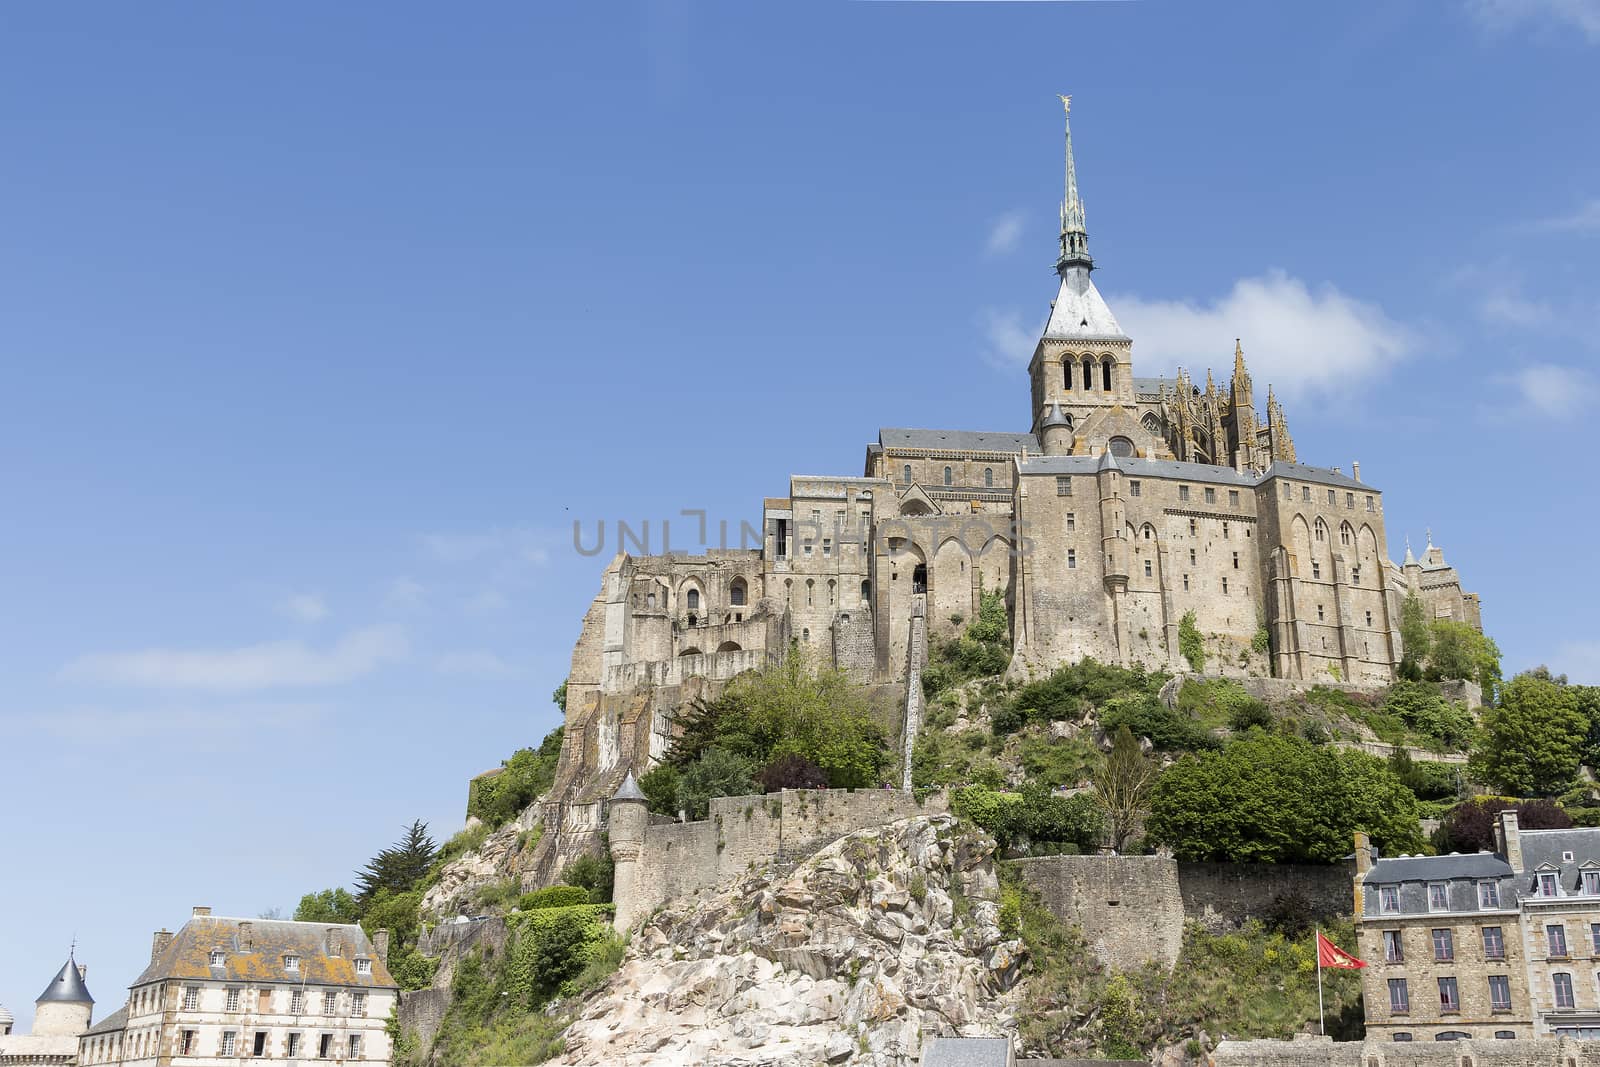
[1324, 1052]
[1132, 908]
[658, 861]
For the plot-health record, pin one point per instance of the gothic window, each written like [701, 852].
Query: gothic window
[1105, 375]
[988, 477]
[1345, 534]
[907, 474]
[1088, 374]
[1121, 447]
[1322, 531]
[737, 592]
[1066, 374]
[1149, 532]
[866, 592]
[694, 600]
[1069, 421]
[1151, 423]
[947, 476]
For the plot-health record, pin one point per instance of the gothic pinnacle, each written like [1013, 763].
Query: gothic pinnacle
[1074, 237]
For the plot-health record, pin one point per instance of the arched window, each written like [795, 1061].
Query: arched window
[737, 592]
[1066, 373]
[694, 600]
[947, 476]
[1152, 423]
[788, 590]
[907, 473]
[1149, 532]
[649, 600]
[729, 646]
[988, 477]
[1069, 420]
[1088, 373]
[1322, 531]
[811, 587]
[833, 592]
[1346, 535]
[866, 592]
[1105, 374]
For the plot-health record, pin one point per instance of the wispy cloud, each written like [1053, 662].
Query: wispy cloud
[1004, 233]
[403, 594]
[475, 663]
[1552, 391]
[304, 607]
[1585, 219]
[499, 544]
[1008, 340]
[261, 666]
[104, 726]
[1503, 15]
[1298, 338]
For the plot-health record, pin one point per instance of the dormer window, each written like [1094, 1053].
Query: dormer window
[363, 966]
[1548, 884]
[218, 957]
[291, 963]
[1389, 899]
[1438, 896]
[1591, 883]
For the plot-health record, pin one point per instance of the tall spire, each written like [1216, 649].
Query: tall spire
[1074, 237]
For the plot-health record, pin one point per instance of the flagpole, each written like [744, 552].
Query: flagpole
[1322, 1018]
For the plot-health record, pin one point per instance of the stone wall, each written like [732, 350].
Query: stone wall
[1132, 908]
[421, 1011]
[677, 859]
[1224, 896]
[1324, 1052]
[1129, 907]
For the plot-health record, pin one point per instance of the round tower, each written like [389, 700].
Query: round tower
[7, 1021]
[629, 817]
[1055, 431]
[65, 1006]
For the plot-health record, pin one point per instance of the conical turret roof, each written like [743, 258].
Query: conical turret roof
[629, 790]
[66, 987]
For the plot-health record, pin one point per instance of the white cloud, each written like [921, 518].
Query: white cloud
[403, 594]
[99, 725]
[1501, 15]
[475, 663]
[1296, 338]
[1008, 340]
[500, 545]
[1510, 308]
[1551, 391]
[304, 607]
[1004, 233]
[1586, 219]
[261, 666]
[1579, 661]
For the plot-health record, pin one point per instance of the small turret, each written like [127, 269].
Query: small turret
[629, 819]
[65, 1006]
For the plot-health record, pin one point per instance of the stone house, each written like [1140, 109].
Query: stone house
[223, 989]
[1502, 944]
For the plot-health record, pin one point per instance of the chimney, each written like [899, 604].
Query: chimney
[1355, 466]
[380, 946]
[1508, 839]
[247, 937]
[161, 940]
[199, 912]
[333, 944]
[1363, 853]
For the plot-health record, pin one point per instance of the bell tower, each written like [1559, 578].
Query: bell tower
[1083, 363]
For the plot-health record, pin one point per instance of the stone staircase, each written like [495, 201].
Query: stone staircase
[916, 660]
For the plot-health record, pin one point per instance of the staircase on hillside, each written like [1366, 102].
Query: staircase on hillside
[916, 659]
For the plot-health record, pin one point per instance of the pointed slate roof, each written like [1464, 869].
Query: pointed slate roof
[629, 789]
[1080, 313]
[66, 987]
[1108, 462]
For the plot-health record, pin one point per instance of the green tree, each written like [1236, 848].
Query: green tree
[1419, 706]
[1190, 644]
[522, 779]
[717, 773]
[328, 906]
[1532, 742]
[1415, 638]
[1123, 784]
[1461, 650]
[398, 867]
[982, 650]
[660, 788]
[560, 696]
[1269, 798]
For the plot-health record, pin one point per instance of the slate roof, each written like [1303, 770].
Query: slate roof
[1544, 849]
[1080, 312]
[66, 987]
[1303, 473]
[254, 950]
[1134, 466]
[117, 1020]
[1437, 868]
[629, 790]
[957, 440]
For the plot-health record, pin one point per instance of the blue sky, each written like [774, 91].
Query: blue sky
[320, 326]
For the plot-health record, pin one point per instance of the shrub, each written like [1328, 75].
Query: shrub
[1190, 644]
[1419, 706]
[791, 771]
[660, 788]
[555, 896]
[522, 780]
[594, 873]
[983, 649]
[717, 773]
[1035, 814]
[1071, 690]
[1146, 716]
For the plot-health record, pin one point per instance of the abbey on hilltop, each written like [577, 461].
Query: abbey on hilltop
[1129, 504]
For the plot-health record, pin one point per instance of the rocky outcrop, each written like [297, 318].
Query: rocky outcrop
[499, 857]
[883, 939]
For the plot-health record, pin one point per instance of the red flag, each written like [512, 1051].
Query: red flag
[1331, 955]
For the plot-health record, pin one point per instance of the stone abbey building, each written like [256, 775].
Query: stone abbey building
[1128, 503]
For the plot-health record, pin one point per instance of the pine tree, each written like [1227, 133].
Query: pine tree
[398, 867]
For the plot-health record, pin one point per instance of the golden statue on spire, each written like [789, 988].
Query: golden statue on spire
[1066, 103]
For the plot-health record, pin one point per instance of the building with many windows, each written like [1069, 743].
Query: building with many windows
[1502, 944]
[221, 990]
